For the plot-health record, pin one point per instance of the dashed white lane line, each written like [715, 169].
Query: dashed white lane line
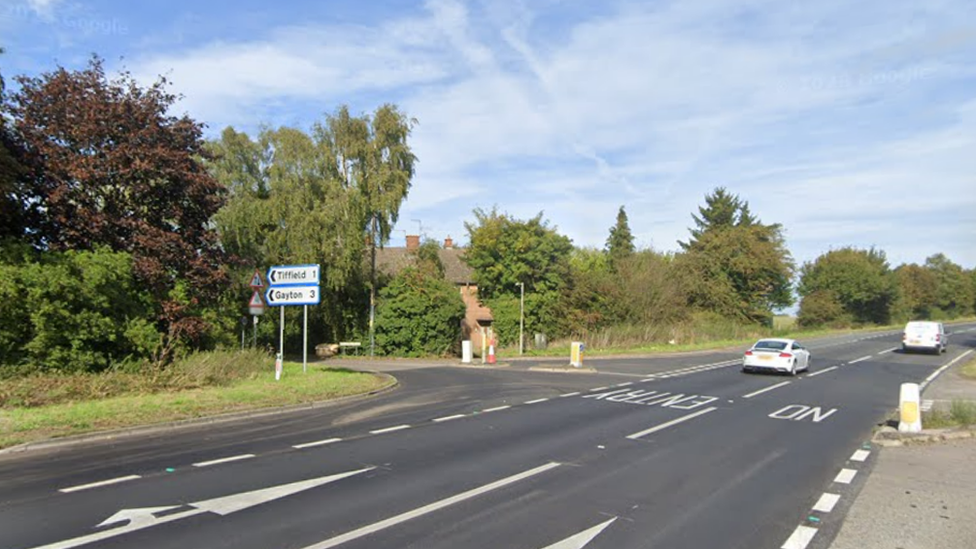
[564, 395]
[600, 389]
[448, 418]
[536, 401]
[98, 484]
[845, 476]
[389, 429]
[860, 455]
[862, 359]
[625, 384]
[495, 409]
[824, 371]
[317, 443]
[770, 388]
[826, 502]
[801, 537]
[427, 509]
[888, 350]
[671, 423]
[223, 460]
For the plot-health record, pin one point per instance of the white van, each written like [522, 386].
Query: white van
[924, 336]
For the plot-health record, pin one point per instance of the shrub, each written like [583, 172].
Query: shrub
[419, 313]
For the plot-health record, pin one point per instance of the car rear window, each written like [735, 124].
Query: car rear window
[771, 345]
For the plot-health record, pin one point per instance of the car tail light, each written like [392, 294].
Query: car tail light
[938, 338]
[785, 355]
[748, 353]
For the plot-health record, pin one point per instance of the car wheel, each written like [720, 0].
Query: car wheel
[793, 369]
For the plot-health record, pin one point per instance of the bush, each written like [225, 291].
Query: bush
[419, 313]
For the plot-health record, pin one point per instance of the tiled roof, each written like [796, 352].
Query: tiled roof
[392, 260]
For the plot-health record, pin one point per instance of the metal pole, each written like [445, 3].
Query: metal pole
[254, 341]
[281, 340]
[522, 319]
[305, 343]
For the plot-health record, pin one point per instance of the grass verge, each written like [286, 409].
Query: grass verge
[961, 413]
[968, 370]
[259, 390]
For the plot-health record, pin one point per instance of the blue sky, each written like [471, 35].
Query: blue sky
[851, 123]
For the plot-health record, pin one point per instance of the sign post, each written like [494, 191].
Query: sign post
[293, 285]
[255, 306]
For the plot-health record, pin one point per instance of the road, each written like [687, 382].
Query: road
[678, 452]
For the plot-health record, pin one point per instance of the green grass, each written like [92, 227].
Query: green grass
[19, 424]
[968, 370]
[961, 413]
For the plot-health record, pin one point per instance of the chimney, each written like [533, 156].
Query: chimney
[448, 243]
[413, 241]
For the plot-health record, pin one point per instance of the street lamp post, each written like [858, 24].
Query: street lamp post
[521, 317]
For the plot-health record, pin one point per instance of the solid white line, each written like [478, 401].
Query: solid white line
[97, 484]
[824, 371]
[862, 359]
[317, 443]
[826, 503]
[536, 401]
[845, 476]
[389, 429]
[495, 409]
[223, 460]
[888, 350]
[393, 521]
[662, 426]
[860, 455]
[770, 388]
[568, 395]
[801, 537]
[938, 372]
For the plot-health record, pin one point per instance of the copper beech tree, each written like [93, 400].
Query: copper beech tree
[113, 168]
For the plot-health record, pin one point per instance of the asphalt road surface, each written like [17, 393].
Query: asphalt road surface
[673, 452]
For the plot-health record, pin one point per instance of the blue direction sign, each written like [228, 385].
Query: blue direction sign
[278, 296]
[293, 275]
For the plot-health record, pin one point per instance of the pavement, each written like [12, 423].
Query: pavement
[920, 494]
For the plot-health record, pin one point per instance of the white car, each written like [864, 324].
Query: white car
[924, 336]
[776, 355]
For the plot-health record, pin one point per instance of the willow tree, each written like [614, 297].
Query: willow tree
[371, 155]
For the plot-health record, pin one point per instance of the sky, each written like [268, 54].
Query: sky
[849, 123]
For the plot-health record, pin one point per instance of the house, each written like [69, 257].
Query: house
[477, 319]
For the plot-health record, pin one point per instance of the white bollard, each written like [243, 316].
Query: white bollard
[576, 354]
[911, 415]
[466, 352]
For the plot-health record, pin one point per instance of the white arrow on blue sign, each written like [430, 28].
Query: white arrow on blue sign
[277, 296]
[293, 275]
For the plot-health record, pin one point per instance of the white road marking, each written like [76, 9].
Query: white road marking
[888, 350]
[600, 389]
[624, 384]
[223, 460]
[317, 443]
[568, 394]
[938, 372]
[860, 455]
[824, 371]
[536, 401]
[427, 509]
[770, 388]
[98, 484]
[862, 359]
[495, 409]
[927, 405]
[389, 429]
[826, 502]
[801, 537]
[673, 422]
[845, 476]
[581, 539]
[448, 418]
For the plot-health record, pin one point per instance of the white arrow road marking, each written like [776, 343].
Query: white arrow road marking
[139, 519]
[581, 539]
[437, 505]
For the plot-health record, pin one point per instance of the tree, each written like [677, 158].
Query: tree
[917, 292]
[735, 265]
[620, 243]
[860, 281]
[115, 169]
[371, 155]
[954, 292]
[17, 201]
[504, 251]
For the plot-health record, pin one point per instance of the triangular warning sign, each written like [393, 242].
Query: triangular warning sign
[256, 300]
[256, 280]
